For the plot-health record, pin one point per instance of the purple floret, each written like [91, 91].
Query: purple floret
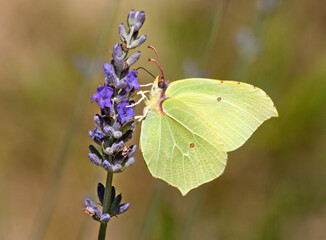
[125, 113]
[132, 80]
[103, 96]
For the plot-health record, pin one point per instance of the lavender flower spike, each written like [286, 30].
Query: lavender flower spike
[114, 123]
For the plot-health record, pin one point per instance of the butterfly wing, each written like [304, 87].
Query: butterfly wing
[182, 155]
[233, 110]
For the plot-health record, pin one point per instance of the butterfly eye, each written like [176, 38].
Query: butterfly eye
[161, 84]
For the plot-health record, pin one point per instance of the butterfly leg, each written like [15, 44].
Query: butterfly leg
[143, 97]
[147, 85]
[141, 117]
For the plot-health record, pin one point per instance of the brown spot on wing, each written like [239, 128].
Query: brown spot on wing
[191, 145]
[219, 99]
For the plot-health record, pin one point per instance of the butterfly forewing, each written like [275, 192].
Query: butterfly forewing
[233, 110]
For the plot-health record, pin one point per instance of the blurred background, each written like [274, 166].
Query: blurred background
[51, 60]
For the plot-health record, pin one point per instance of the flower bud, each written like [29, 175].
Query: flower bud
[139, 20]
[99, 120]
[116, 125]
[95, 159]
[133, 58]
[122, 32]
[117, 134]
[122, 83]
[118, 57]
[107, 166]
[121, 209]
[117, 168]
[109, 151]
[117, 146]
[110, 76]
[130, 162]
[108, 130]
[131, 18]
[92, 209]
[139, 41]
[105, 218]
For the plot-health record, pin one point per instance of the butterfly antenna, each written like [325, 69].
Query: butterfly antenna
[146, 71]
[160, 66]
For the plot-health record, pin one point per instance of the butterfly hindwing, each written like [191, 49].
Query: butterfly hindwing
[180, 154]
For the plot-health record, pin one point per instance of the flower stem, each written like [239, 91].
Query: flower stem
[106, 204]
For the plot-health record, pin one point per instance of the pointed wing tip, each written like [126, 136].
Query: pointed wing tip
[275, 112]
[184, 193]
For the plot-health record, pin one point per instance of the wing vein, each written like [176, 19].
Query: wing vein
[175, 144]
[192, 131]
[159, 145]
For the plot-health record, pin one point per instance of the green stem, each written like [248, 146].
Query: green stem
[106, 204]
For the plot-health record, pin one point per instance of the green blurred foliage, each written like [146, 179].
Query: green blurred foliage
[273, 186]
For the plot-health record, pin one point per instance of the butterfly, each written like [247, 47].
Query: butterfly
[190, 124]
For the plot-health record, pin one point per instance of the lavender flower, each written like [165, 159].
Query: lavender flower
[115, 124]
[96, 135]
[125, 113]
[132, 81]
[103, 96]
